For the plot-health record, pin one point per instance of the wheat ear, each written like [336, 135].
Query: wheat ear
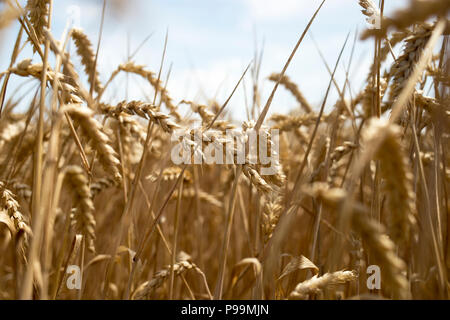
[11, 206]
[92, 129]
[38, 14]
[191, 193]
[144, 110]
[271, 214]
[131, 67]
[316, 284]
[171, 174]
[100, 185]
[403, 66]
[87, 54]
[83, 216]
[160, 277]
[378, 245]
[397, 176]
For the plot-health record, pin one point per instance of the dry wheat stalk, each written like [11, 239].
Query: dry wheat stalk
[127, 144]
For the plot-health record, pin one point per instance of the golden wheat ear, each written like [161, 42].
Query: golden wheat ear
[38, 11]
[144, 110]
[140, 70]
[87, 54]
[83, 214]
[397, 179]
[92, 130]
[316, 284]
[145, 289]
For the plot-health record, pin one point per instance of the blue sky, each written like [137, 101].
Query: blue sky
[212, 41]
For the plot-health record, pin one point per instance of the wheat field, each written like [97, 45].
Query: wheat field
[93, 206]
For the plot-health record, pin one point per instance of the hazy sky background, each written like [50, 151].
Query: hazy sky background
[212, 41]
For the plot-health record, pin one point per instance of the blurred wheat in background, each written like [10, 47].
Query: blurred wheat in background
[361, 181]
